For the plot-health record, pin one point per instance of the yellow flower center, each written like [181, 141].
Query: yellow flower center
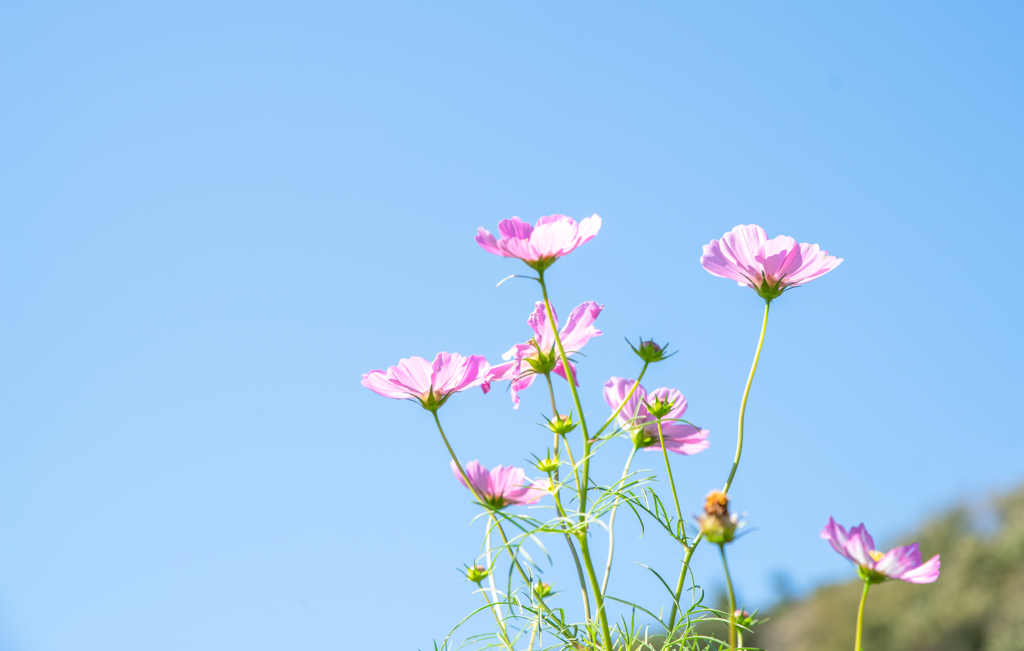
[876, 555]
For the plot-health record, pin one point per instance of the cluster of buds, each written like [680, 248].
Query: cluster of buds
[477, 573]
[717, 525]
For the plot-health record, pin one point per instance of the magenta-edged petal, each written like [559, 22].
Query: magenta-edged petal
[502, 372]
[554, 239]
[579, 328]
[836, 536]
[680, 438]
[899, 560]
[530, 493]
[814, 263]
[734, 256]
[378, 382]
[516, 248]
[857, 550]
[518, 385]
[928, 572]
[515, 228]
[488, 242]
[556, 219]
[538, 322]
[587, 229]
[560, 371]
[413, 373]
[778, 256]
[633, 411]
[862, 531]
[479, 477]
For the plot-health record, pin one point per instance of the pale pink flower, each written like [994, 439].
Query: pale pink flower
[636, 418]
[769, 267]
[429, 383]
[539, 246]
[540, 354]
[902, 563]
[501, 486]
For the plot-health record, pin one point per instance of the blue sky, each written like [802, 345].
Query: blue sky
[215, 216]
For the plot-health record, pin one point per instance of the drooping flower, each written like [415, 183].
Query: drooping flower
[431, 384]
[540, 354]
[769, 267]
[636, 417]
[539, 246]
[501, 486]
[901, 563]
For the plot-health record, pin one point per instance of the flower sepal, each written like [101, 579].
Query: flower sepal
[562, 424]
[477, 573]
[869, 576]
[649, 351]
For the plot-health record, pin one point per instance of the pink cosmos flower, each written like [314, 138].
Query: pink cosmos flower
[429, 383]
[539, 246]
[636, 417]
[501, 486]
[902, 563]
[540, 354]
[769, 267]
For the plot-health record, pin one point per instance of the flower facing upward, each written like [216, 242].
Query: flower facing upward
[769, 267]
[429, 383]
[539, 246]
[902, 563]
[501, 486]
[540, 354]
[635, 417]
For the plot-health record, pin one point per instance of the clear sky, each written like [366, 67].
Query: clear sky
[215, 216]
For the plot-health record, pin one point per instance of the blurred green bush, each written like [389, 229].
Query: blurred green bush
[976, 605]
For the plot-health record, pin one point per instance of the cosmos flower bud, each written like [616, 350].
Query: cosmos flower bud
[659, 406]
[477, 573]
[649, 351]
[548, 464]
[541, 589]
[717, 524]
[561, 424]
[743, 618]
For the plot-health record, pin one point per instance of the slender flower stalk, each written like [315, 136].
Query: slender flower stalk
[549, 617]
[490, 582]
[588, 562]
[557, 492]
[611, 524]
[746, 394]
[860, 616]
[732, 599]
[671, 481]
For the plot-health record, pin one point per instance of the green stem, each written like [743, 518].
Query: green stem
[671, 481]
[732, 600]
[575, 395]
[624, 400]
[743, 403]
[602, 617]
[561, 511]
[735, 463]
[682, 578]
[551, 620]
[860, 616]
[494, 590]
[611, 526]
[584, 548]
